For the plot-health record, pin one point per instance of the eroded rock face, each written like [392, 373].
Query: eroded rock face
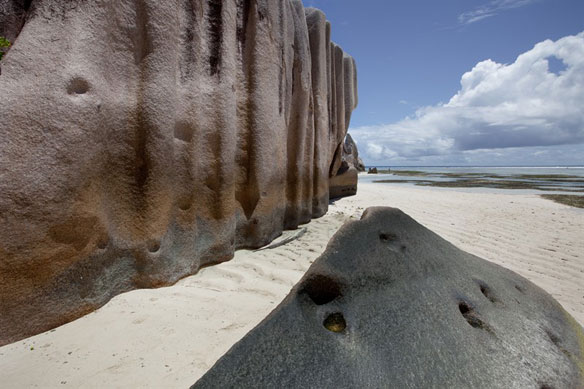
[12, 17]
[391, 304]
[343, 182]
[351, 153]
[142, 139]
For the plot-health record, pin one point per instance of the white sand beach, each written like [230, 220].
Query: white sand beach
[169, 337]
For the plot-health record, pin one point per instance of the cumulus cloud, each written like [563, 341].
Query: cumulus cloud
[498, 107]
[492, 8]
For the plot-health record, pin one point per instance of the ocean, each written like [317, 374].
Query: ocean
[507, 179]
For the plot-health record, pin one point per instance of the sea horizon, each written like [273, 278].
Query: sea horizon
[535, 179]
[482, 166]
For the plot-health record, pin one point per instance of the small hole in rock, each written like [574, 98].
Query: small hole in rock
[519, 288]
[183, 131]
[471, 317]
[153, 246]
[78, 86]
[387, 237]
[102, 243]
[335, 322]
[464, 308]
[486, 291]
[546, 386]
[184, 203]
[321, 289]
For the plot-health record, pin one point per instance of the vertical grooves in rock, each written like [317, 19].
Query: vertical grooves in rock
[338, 126]
[340, 93]
[300, 132]
[349, 95]
[212, 117]
[355, 86]
[293, 151]
[242, 16]
[242, 96]
[281, 74]
[332, 94]
[142, 161]
[187, 37]
[216, 180]
[215, 20]
[142, 40]
[305, 203]
[306, 179]
[215, 139]
[191, 58]
[248, 193]
[317, 27]
[307, 193]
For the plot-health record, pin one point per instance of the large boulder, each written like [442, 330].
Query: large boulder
[351, 153]
[390, 304]
[141, 140]
[343, 181]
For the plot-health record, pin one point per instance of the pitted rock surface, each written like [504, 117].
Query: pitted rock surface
[344, 181]
[143, 139]
[391, 304]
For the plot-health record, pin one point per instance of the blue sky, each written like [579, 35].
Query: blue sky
[418, 107]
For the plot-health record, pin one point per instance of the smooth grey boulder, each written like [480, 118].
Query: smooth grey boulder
[143, 139]
[390, 304]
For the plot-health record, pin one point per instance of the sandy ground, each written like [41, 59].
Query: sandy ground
[169, 337]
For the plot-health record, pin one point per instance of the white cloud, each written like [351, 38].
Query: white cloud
[492, 8]
[519, 105]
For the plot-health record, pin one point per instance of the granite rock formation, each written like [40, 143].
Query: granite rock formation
[12, 17]
[143, 139]
[390, 304]
[343, 182]
[351, 154]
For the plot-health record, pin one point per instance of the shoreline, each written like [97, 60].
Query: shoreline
[171, 336]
